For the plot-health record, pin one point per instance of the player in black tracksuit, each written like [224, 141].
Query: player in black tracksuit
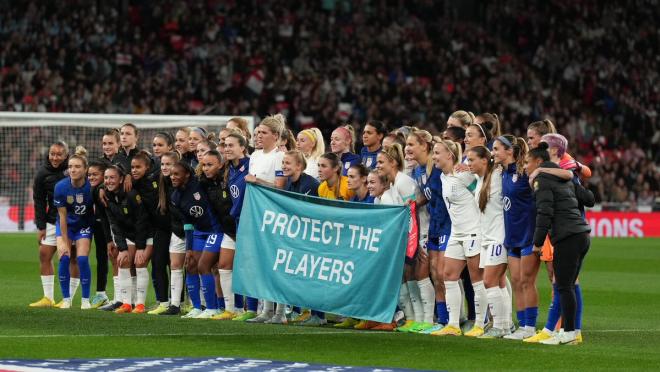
[558, 214]
[132, 234]
[45, 215]
[145, 173]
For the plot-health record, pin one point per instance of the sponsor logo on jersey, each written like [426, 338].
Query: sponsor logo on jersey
[69, 199]
[506, 203]
[196, 211]
[235, 192]
[197, 196]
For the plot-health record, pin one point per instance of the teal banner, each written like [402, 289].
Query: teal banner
[339, 257]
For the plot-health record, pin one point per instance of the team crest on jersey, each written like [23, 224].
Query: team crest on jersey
[125, 210]
[138, 199]
[197, 196]
[69, 199]
[347, 165]
[369, 162]
[80, 198]
[154, 184]
[241, 169]
[536, 185]
[423, 179]
[514, 178]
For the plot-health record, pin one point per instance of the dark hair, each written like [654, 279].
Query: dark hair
[101, 164]
[335, 162]
[169, 139]
[540, 152]
[456, 133]
[519, 147]
[362, 170]
[287, 135]
[144, 157]
[492, 122]
[132, 126]
[484, 194]
[162, 189]
[114, 132]
[216, 154]
[379, 126]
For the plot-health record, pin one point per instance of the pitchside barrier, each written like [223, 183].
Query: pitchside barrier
[25, 138]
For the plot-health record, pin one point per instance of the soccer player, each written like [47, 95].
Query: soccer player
[342, 144]
[146, 173]
[477, 135]
[110, 145]
[183, 148]
[310, 143]
[203, 238]
[45, 215]
[390, 163]
[293, 167]
[215, 185]
[419, 146]
[266, 169]
[133, 237]
[460, 119]
[236, 148]
[73, 229]
[128, 139]
[464, 246]
[357, 182]
[163, 142]
[333, 185]
[519, 212]
[102, 243]
[558, 212]
[493, 254]
[195, 136]
[372, 137]
[177, 246]
[490, 123]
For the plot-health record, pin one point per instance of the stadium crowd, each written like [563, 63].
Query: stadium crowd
[591, 68]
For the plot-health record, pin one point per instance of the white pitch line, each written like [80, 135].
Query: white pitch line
[274, 334]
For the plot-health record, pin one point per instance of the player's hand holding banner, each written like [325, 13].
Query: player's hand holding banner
[342, 258]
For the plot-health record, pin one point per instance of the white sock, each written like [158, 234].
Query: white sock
[125, 286]
[48, 283]
[280, 309]
[463, 309]
[176, 286]
[427, 294]
[225, 284]
[101, 293]
[142, 282]
[480, 303]
[115, 289]
[73, 286]
[404, 302]
[268, 307]
[133, 291]
[508, 307]
[454, 301]
[416, 300]
[496, 306]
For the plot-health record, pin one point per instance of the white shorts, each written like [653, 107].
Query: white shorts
[177, 245]
[50, 238]
[227, 242]
[493, 255]
[463, 249]
[150, 241]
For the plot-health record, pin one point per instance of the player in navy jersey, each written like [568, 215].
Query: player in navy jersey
[75, 217]
[419, 146]
[342, 144]
[519, 223]
[357, 182]
[236, 147]
[372, 137]
[45, 215]
[203, 237]
[293, 167]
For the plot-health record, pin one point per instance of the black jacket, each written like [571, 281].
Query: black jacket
[218, 192]
[128, 219]
[176, 219]
[44, 187]
[557, 211]
[124, 159]
[100, 215]
[148, 189]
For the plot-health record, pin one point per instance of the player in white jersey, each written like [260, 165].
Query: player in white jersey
[493, 254]
[464, 246]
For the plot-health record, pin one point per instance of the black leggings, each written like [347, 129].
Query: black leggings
[159, 262]
[101, 248]
[568, 256]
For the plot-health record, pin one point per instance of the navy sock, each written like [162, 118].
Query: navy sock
[469, 294]
[85, 275]
[238, 301]
[320, 314]
[221, 303]
[531, 313]
[555, 310]
[65, 276]
[296, 309]
[441, 312]
[252, 304]
[192, 283]
[578, 310]
[520, 314]
[208, 289]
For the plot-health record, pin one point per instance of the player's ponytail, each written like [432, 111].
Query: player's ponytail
[543, 127]
[80, 154]
[484, 194]
[162, 187]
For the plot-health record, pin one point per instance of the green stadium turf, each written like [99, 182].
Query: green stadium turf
[621, 281]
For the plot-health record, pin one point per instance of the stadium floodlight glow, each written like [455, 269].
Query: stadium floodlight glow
[26, 136]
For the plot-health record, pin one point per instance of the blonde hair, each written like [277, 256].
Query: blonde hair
[317, 137]
[242, 126]
[454, 148]
[464, 117]
[395, 153]
[423, 137]
[298, 156]
[543, 127]
[81, 154]
[276, 123]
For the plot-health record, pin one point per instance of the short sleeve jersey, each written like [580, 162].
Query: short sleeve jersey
[78, 202]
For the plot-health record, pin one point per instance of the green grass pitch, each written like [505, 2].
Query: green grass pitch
[621, 281]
